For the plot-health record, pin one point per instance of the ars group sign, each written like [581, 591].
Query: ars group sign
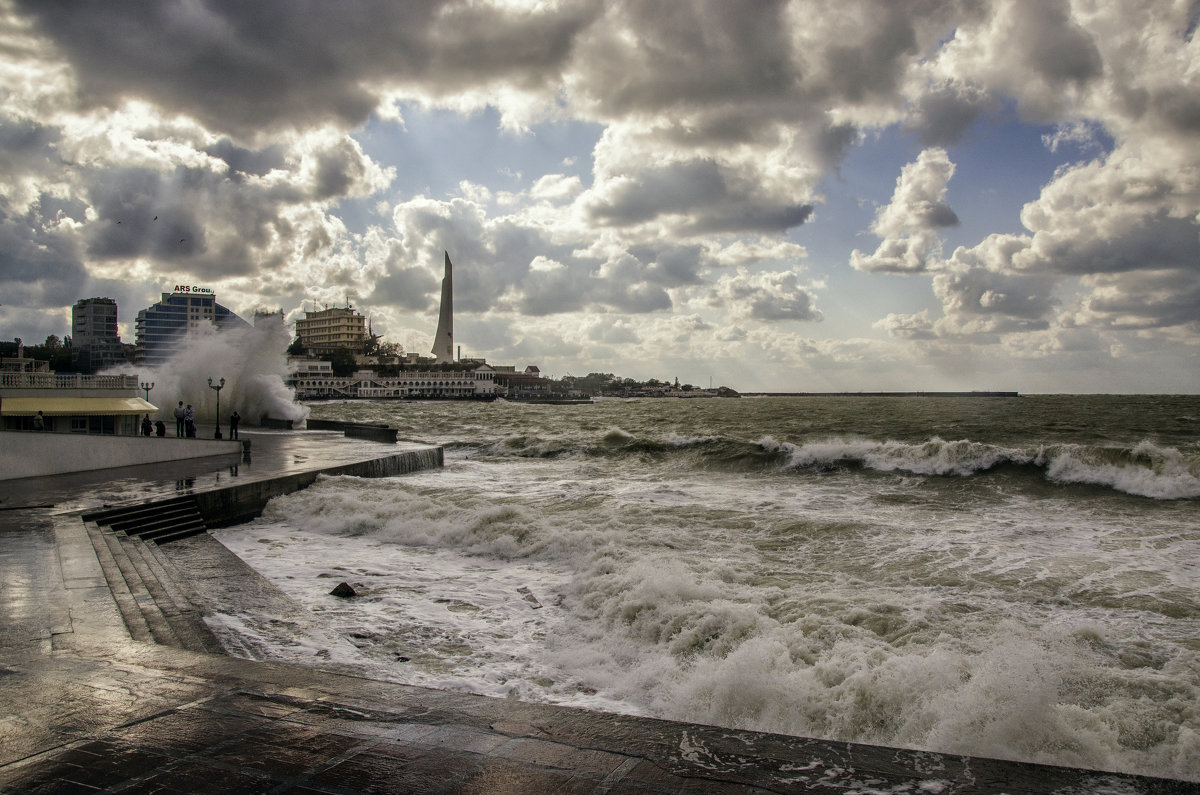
[192, 290]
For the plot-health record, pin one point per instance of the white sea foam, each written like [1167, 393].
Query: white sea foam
[1149, 470]
[843, 607]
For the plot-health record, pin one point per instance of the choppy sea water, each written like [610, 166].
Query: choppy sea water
[1014, 578]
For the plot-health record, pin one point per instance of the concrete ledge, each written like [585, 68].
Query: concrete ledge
[240, 503]
[357, 430]
[30, 454]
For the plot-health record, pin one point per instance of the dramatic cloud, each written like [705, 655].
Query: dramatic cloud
[765, 296]
[630, 183]
[909, 225]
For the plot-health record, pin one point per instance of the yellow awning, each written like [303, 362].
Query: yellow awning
[73, 406]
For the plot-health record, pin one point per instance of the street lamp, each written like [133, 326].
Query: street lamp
[148, 387]
[217, 387]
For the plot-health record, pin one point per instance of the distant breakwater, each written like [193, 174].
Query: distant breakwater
[883, 394]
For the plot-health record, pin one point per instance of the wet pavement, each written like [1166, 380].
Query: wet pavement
[272, 454]
[84, 707]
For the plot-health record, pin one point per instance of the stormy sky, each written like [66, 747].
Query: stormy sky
[786, 196]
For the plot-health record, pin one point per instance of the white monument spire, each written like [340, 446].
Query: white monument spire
[443, 341]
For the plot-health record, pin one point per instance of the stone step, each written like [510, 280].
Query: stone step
[177, 607]
[108, 516]
[127, 605]
[136, 525]
[167, 535]
[161, 522]
[138, 586]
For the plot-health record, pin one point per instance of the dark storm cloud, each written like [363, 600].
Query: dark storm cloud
[936, 215]
[247, 67]
[870, 66]
[634, 299]
[746, 216]
[407, 288]
[940, 117]
[39, 266]
[26, 146]
[704, 52]
[1055, 45]
[550, 292]
[128, 201]
[716, 198]
[247, 161]
[672, 266]
[1144, 242]
[339, 168]
[1145, 301]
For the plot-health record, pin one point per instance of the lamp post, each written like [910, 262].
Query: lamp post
[217, 387]
[148, 387]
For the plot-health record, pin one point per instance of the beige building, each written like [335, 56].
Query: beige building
[326, 330]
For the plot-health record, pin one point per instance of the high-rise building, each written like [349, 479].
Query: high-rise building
[443, 340]
[163, 329]
[95, 343]
[325, 331]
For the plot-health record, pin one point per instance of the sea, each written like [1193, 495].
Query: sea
[1015, 577]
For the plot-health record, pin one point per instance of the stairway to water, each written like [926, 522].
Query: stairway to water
[155, 600]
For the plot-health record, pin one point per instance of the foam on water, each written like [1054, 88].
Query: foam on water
[858, 605]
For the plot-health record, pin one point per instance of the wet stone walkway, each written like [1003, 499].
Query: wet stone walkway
[85, 708]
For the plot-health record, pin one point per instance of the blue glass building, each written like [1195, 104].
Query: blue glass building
[162, 330]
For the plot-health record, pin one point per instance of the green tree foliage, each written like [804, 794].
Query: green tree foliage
[341, 362]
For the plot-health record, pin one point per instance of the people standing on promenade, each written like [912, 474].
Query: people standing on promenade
[160, 428]
[234, 419]
[179, 415]
[189, 422]
[39, 422]
[146, 426]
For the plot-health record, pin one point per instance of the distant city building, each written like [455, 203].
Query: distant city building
[313, 379]
[443, 340]
[163, 329]
[528, 384]
[325, 331]
[95, 343]
[267, 317]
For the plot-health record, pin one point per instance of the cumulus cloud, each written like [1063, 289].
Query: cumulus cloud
[916, 326]
[245, 145]
[765, 296]
[909, 224]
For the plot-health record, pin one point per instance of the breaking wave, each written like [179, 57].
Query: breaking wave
[1144, 470]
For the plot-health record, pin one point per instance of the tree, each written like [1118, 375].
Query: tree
[341, 362]
[297, 348]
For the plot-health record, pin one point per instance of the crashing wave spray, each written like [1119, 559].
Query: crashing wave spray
[252, 361]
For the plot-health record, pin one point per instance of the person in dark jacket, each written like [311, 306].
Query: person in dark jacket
[234, 419]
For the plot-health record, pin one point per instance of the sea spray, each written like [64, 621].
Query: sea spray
[946, 600]
[251, 360]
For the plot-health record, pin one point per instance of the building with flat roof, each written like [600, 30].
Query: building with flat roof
[162, 329]
[95, 343]
[70, 402]
[326, 330]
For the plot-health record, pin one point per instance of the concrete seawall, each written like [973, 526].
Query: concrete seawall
[236, 504]
[30, 454]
